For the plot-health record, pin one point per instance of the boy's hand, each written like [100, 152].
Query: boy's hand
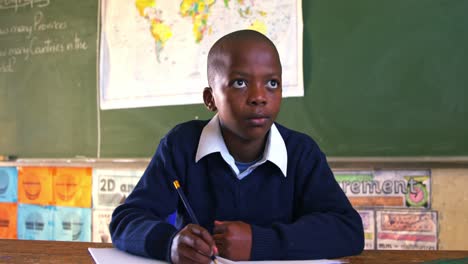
[193, 244]
[233, 239]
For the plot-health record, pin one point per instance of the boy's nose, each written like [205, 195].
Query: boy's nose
[257, 95]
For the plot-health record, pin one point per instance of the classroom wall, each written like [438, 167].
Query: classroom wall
[325, 45]
[448, 187]
[450, 199]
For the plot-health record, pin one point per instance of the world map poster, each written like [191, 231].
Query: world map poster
[153, 52]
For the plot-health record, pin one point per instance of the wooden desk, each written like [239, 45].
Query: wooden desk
[404, 257]
[28, 251]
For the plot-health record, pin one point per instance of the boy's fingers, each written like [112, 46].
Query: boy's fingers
[196, 229]
[203, 233]
[187, 254]
[200, 239]
[220, 240]
[196, 243]
[219, 228]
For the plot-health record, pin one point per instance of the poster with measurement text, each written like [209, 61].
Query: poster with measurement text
[387, 188]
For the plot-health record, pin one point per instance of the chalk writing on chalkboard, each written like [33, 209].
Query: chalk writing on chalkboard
[17, 4]
[33, 43]
[48, 76]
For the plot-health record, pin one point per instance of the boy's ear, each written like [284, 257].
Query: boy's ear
[208, 99]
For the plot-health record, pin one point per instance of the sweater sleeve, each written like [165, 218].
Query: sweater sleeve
[138, 225]
[325, 224]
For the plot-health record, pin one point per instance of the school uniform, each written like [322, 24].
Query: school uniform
[289, 196]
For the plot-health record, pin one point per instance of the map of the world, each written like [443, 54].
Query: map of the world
[153, 52]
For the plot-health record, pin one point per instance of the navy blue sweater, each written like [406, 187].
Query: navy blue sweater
[305, 215]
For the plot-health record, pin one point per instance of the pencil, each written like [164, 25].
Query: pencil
[185, 201]
[189, 210]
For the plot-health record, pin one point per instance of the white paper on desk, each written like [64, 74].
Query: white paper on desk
[115, 256]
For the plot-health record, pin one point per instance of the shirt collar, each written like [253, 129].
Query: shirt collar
[211, 141]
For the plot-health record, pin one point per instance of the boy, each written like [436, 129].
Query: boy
[259, 190]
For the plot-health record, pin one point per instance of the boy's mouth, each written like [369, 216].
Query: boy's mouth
[258, 120]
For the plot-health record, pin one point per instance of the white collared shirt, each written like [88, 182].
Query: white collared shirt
[211, 141]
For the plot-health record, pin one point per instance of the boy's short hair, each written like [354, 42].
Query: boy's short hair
[214, 60]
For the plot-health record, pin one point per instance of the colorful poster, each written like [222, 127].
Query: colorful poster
[112, 186]
[72, 224]
[72, 186]
[8, 184]
[101, 220]
[387, 188]
[8, 220]
[35, 185]
[406, 230]
[154, 52]
[368, 222]
[35, 222]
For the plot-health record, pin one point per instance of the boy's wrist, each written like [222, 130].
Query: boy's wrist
[169, 247]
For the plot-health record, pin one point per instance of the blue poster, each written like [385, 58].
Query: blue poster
[72, 224]
[35, 222]
[8, 184]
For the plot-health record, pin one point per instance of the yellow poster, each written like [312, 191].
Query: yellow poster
[35, 185]
[8, 219]
[72, 187]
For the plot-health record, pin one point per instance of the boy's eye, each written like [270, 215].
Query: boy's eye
[239, 84]
[272, 84]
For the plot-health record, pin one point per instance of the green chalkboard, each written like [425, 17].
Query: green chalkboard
[48, 78]
[381, 78]
[386, 78]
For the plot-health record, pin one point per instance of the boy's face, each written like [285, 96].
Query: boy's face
[246, 90]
